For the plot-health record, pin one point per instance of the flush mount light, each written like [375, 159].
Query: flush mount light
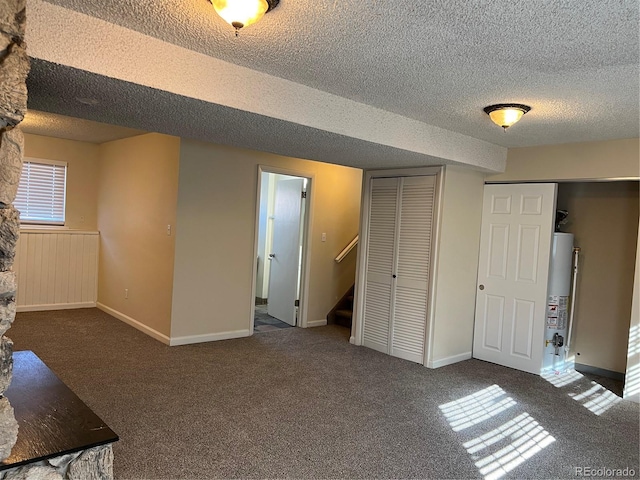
[506, 114]
[240, 13]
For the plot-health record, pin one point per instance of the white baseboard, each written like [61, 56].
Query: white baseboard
[317, 323]
[208, 337]
[173, 341]
[352, 340]
[135, 324]
[55, 306]
[449, 360]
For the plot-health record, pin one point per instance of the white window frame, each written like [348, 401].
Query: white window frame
[35, 221]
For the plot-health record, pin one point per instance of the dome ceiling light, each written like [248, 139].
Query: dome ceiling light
[506, 114]
[240, 13]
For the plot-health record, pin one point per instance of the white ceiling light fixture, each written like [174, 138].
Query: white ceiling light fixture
[506, 114]
[240, 13]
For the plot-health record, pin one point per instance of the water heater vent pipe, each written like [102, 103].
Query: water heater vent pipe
[567, 345]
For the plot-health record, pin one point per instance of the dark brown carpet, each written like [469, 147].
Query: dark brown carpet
[299, 403]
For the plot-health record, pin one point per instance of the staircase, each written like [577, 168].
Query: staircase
[342, 313]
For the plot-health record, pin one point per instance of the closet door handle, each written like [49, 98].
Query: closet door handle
[394, 276]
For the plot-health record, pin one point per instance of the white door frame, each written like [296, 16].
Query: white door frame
[306, 242]
[363, 250]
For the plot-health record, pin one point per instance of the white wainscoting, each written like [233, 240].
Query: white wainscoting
[56, 269]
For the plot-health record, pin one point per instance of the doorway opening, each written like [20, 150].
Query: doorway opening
[603, 217]
[282, 212]
[581, 329]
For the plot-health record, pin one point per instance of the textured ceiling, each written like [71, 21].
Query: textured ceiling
[61, 126]
[438, 62]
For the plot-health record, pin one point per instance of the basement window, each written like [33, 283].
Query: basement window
[42, 191]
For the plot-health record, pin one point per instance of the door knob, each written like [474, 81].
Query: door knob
[272, 255]
[481, 287]
[393, 276]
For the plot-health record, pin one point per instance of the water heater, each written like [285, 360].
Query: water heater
[558, 302]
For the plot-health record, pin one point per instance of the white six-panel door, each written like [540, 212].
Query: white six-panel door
[398, 265]
[513, 270]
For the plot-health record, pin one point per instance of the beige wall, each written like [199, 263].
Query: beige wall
[216, 229]
[573, 161]
[82, 175]
[603, 216]
[137, 197]
[457, 266]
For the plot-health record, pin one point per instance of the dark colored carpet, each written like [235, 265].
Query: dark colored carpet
[306, 404]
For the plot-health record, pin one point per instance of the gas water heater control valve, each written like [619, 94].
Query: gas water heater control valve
[558, 341]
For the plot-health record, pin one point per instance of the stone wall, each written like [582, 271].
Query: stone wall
[93, 464]
[14, 66]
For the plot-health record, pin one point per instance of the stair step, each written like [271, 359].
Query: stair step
[342, 312]
[343, 318]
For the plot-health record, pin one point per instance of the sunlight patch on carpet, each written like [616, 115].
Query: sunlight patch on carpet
[596, 399]
[561, 379]
[476, 408]
[501, 449]
[524, 437]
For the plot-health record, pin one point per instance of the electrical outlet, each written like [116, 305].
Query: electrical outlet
[126, 293]
[324, 237]
[169, 230]
[81, 219]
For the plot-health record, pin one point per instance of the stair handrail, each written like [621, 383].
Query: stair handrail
[345, 251]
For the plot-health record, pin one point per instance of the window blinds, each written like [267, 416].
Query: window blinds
[41, 193]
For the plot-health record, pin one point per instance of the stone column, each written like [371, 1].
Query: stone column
[14, 66]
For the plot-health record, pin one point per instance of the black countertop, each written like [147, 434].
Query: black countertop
[52, 420]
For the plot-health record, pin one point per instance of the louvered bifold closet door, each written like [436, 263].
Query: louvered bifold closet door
[380, 257]
[414, 261]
